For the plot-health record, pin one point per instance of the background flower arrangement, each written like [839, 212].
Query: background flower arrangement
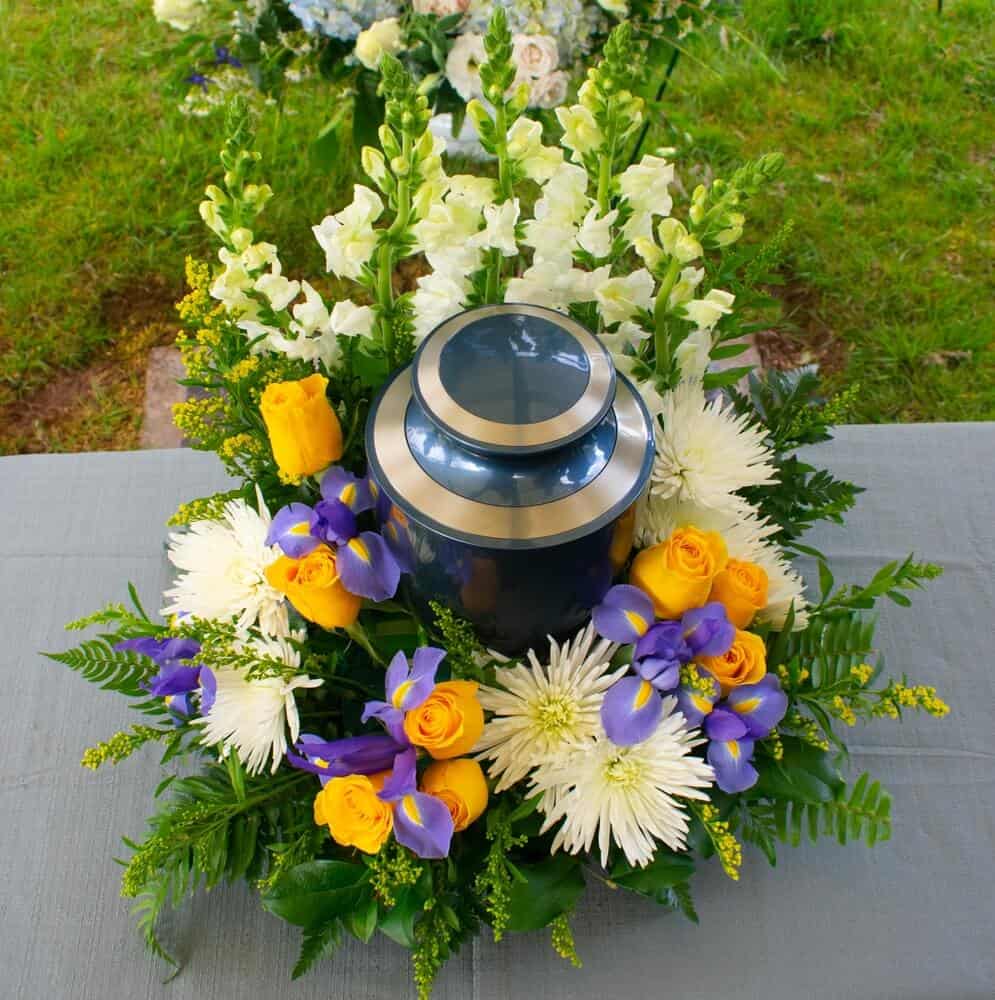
[237, 45]
[369, 770]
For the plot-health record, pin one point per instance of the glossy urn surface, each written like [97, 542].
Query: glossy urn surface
[505, 456]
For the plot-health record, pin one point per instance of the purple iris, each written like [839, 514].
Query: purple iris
[707, 630]
[366, 754]
[732, 762]
[422, 822]
[198, 80]
[749, 713]
[695, 702]
[222, 55]
[660, 653]
[624, 615]
[333, 522]
[761, 706]
[406, 688]
[364, 560]
[630, 711]
[177, 677]
[291, 530]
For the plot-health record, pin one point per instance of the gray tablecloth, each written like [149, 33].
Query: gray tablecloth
[912, 918]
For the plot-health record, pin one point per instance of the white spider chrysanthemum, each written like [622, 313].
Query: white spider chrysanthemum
[630, 795]
[222, 568]
[705, 452]
[747, 538]
[252, 717]
[544, 710]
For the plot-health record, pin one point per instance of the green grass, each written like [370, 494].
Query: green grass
[885, 111]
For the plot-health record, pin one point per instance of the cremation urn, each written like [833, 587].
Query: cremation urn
[506, 456]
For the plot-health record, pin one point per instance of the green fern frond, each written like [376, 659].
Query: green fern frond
[97, 661]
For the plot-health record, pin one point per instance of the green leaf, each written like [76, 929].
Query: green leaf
[99, 663]
[803, 774]
[317, 892]
[399, 922]
[551, 888]
[667, 870]
[361, 921]
[327, 148]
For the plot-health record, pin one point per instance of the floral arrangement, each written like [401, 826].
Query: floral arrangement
[370, 769]
[235, 46]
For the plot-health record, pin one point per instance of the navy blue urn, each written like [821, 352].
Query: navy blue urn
[507, 453]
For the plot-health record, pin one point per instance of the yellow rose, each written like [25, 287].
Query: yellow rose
[312, 585]
[745, 662]
[354, 814]
[742, 590]
[448, 722]
[677, 573]
[304, 431]
[461, 785]
[625, 528]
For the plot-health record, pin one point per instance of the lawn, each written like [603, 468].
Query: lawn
[885, 111]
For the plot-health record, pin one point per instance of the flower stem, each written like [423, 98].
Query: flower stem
[661, 333]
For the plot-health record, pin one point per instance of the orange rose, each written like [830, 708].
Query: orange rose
[461, 785]
[745, 662]
[312, 585]
[354, 813]
[448, 722]
[741, 588]
[677, 573]
[625, 528]
[304, 431]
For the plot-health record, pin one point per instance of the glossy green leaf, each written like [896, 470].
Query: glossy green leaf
[550, 889]
[317, 892]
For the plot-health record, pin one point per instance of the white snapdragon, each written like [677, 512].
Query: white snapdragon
[554, 285]
[677, 241]
[553, 243]
[475, 192]
[684, 288]
[311, 314]
[595, 234]
[348, 238]
[439, 296]
[693, 354]
[444, 235]
[620, 298]
[646, 185]
[708, 311]
[581, 132]
[525, 147]
[499, 229]
[379, 38]
[564, 198]
[279, 290]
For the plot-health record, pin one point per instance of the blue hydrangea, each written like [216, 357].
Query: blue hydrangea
[343, 19]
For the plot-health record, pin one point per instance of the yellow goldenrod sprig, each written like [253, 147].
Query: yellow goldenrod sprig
[727, 847]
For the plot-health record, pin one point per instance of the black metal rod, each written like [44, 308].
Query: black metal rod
[661, 90]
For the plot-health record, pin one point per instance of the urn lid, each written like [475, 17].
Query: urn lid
[530, 496]
[513, 379]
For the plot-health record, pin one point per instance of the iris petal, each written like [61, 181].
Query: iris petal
[339, 484]
[291, 530]
[631, 711]
[367, 567]
[624, 615]
[761, 706]
[732, 761]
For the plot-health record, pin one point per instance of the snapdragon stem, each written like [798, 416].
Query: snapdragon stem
[661, 333]
[385, 260]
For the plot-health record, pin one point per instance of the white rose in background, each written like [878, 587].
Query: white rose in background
[441, 8]
[463, 65]
[548, 91]
[534, 55]
[179, 14]
[380, 37]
